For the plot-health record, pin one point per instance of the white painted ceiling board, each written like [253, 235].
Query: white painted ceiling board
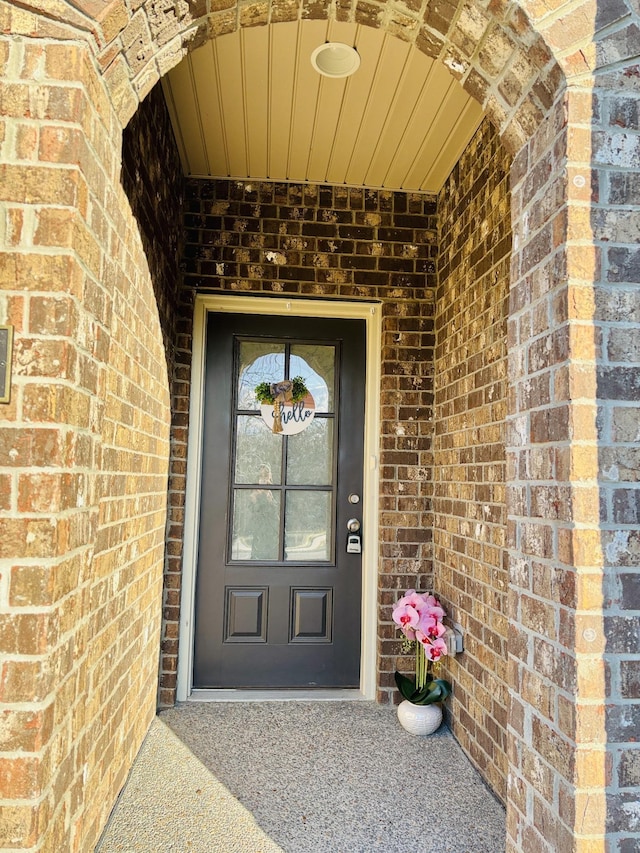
[439, 136]
[203, 67]
[282, 65]
[329, 109]
[255, 59]
[249, 105]
[393, 56]
[305, 100]
[229, 68]
[420, 125]
[185, 112]
[355, 103]
[457, 141]
[415, 75]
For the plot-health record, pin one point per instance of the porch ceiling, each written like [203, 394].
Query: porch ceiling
[249, 105]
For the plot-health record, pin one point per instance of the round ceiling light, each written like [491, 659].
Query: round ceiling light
[334, 59]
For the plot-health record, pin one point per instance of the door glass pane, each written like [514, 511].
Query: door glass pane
[259, 362]
[256, 524]
[307, 527]
[316, 365]
[310, 455]
[258, 452]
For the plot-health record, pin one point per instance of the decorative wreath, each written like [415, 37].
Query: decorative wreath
[268, 392]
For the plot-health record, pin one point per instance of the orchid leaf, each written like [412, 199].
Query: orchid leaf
[421, 697]
[435, 690]
[405, 685]
[444, 686]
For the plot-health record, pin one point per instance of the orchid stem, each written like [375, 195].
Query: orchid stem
[421, 666]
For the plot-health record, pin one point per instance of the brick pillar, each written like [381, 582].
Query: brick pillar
[542, 466]
[572, 651]
[83, 450]
[51, 429]
[615, 583]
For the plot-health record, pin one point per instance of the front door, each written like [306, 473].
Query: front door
[278, 596]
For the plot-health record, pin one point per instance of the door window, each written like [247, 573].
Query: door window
[283, 488]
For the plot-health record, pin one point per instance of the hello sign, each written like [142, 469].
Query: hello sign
[287, 406]
[287, 417]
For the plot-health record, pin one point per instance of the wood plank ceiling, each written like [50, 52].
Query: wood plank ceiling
[249, 105]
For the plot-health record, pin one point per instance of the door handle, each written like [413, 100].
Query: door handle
[354, 545]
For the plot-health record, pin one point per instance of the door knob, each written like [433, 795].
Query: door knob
[353, 525]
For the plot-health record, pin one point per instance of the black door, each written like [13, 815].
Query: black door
[278, 597]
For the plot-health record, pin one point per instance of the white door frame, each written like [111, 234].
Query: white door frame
[273, 306]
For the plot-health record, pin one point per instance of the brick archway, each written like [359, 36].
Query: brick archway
[73, 78]
[499, 56]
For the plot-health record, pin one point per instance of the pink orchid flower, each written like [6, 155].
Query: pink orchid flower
[408, 612]
[416, 612]
[433, 608]
[408, 618]
[433, 628]
[433, 648]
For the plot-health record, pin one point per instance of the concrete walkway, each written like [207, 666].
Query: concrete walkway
[300, 777]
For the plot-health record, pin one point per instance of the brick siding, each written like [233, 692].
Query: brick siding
[154, 184]
[319, 240]
[471, 571]
[615, 220]
[542, 717]
[83, 452]
[153, 181]
[85, 438]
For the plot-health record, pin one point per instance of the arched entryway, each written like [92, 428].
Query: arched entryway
[69, 100]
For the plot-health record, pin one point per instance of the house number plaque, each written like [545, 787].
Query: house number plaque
[6, 347]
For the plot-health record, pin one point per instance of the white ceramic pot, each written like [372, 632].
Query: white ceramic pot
[419, 719]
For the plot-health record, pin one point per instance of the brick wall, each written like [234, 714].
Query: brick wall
[573, 599]
[153, 181]
[154, 184]
[83, 452]
[319, 240]
[615, 221]
[573, 717]
[543, 580]
[471, 572]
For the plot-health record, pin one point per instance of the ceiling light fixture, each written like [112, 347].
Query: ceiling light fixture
[334, 59]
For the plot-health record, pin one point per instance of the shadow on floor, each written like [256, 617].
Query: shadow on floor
[306, 777]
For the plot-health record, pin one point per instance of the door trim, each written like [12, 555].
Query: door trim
[371, 313]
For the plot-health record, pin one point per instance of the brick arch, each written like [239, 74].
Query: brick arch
[493, 49]
[505, 58]
[499, 59]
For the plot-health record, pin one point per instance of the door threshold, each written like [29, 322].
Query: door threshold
[224, 695]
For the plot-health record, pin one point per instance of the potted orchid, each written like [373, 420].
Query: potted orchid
[419, 616]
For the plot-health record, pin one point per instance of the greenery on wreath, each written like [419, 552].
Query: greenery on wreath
[264, 391]
[419, 617]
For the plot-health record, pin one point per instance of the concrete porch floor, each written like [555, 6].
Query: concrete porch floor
[300, 777]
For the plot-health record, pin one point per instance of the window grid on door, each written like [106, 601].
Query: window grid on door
[283, 486]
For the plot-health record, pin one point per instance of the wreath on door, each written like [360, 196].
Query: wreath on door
[279, 394]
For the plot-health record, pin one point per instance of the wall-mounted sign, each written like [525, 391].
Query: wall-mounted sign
[293, 417]
[6, 349]
[287, 406]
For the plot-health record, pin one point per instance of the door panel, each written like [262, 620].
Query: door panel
[278, 598]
